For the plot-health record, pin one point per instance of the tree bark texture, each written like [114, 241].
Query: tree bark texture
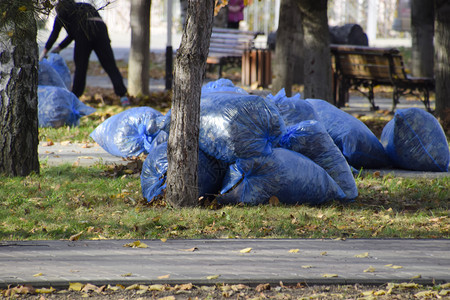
[316, 45]
[422, 33]
[18, 99]
[289, 47]
[182, 149]
[442, 60]
[139, 60]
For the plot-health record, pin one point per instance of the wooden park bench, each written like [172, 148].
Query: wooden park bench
[228, 45]
[358, 66]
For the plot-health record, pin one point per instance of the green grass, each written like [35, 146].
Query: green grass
[65, 200]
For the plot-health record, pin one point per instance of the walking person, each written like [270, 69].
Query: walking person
[84, 25]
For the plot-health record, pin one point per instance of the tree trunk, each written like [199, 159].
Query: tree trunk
[422, 32]
[18, 99]
[139, 60]
[316, 45]
[442, 60]
[182, 149]
[289, 47]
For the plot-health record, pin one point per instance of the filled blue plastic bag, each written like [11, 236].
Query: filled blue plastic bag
[292, 109]
[58, 107]
[234, 125]
[60, 66]
[47, 75]
[290, 176]
[360, 146]
[153, 176]
[222, 85]
[311, 139]
[414, 140]
[128, 133]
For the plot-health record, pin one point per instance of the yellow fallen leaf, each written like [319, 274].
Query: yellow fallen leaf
[136, 244]
[156, 287]
[115, 287]
[307, 267]
[396, 267]
[368, 293]
[425, 294]
[89, 287]
[445, 285]
[45, 290]
[294, 250]
[416, 276]
[127, 275]
[246, 250]
[37, 275]
[75, 237]
[324, 253]
[380, 293]
[388, 265]
[411, 285]
[329, 275]
[23, 8]
[369, 270]
[444, 293]
[167, 298]
[133, 287]
[190, 249]
[75, 286]
[212, 277]
[362, 255]
[163, 240]
[164, 276]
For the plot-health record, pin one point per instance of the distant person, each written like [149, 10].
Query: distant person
[83, 24]
[235, 13]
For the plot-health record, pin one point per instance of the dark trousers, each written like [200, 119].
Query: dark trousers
[96, 39]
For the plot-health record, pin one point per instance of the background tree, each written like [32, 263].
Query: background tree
[316, 48]
[422, 33]
[190, 63]
[139, 60]
[442, 60]
[18, 86]
[289, 47]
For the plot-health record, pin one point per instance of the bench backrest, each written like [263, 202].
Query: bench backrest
[368, 63]
[230, 42]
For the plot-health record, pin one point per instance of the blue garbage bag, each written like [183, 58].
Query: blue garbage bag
[58, 107]
[360, 146]
[222, 85]
[290, 176]
[311, 139]
[163, 122]
[60, 66]
[292, 109]
[153, 176]
[414, 140]
[47, 75]
[128, 133]
[234, 125]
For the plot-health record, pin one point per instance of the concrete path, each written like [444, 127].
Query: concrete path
[202, 262]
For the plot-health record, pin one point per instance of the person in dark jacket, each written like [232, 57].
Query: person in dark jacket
[84, 25]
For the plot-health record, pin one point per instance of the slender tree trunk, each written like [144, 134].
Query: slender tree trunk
[289, 47]
[182, 149]
[18, 99]
[316, 45]
[442, 60]
[139, 60]
[422, 33]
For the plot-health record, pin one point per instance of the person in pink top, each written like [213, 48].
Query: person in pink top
[235, 13]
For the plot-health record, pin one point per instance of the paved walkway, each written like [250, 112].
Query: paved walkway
[202, 262]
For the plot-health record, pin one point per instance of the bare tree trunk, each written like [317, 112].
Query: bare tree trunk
[422, 33]
[442, 60]
[18, 99]
[139, 60]
[289, 47]
[316, 45]
[182, 148]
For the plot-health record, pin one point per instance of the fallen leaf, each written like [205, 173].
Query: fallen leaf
[156, 287]
[307, 267]
[362, 255]
[246, 250]
[380, 293]
[37, 275]
[163, 240]
[164, 276]
[136, 244]
[262, 287]
[89, 287]
[190, 249]
[75, 237]
[66, 143]
[167, 298]
[274, 201]
[416, 276]
[127, 275]
[425, 294]
[86, 146]
[444, 293]
[212, 277]
[115, 287]
[324, 253]
[329, 275]
[238, 287]
[76, 286]
[85, 157]
[184, 287]
[369, 270]
[388, 265]
[45, 290]
[445, 285]
[396, 267]
[294, 250]
[48, 143]
[368, 293]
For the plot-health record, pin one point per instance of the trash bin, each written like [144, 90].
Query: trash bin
[257, 67]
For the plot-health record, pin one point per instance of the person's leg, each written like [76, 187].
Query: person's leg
[102, 47]
[81, 55]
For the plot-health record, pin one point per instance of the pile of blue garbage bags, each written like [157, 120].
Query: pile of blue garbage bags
[57, 105]
[252, 148]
